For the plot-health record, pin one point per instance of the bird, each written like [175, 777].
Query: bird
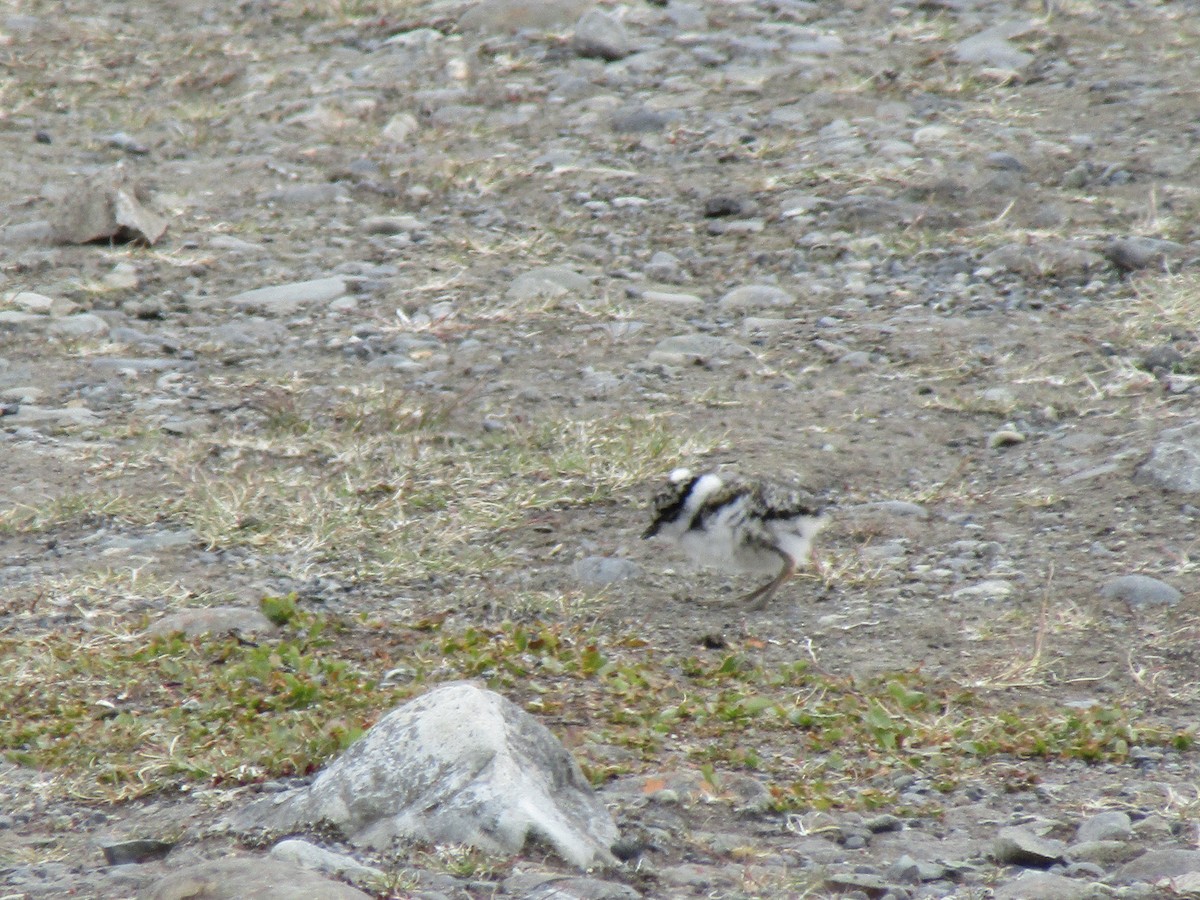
[739, 525]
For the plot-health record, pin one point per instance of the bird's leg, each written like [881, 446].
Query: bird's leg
[758, 599]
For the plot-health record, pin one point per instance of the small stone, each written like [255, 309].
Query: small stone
[600, 35]
[212, 620]
[106, 207]
[664, 266]
[755, 297]
[284, 299]
[123, 277]
[640, 120]
[991, 47]
[1111, 825]
[671, 299]
[38, 416]
[1140, 591]
[237, 878]
[696, 348]
[511, 16]
[548, 282]
[84, 325]
[120, 853]
[400, 128]
[1044, 886]
[310, 856]
[1174, 460]
[992, 589]
[1155, 865]
[1105, 853]
[1021, 847]
[31, 302]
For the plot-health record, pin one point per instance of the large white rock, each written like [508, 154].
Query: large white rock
[459, 764]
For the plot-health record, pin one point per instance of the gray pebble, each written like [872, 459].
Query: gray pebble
[283, 299]
[546, 282]
[81, 326]
[600, 35]
[213, 620]
[755, 297]
[1174, 461]
[640, 119]
[1022, 847]
[1156, 865]
[1140, 591]
[691, 348]
[664, 266]
[1111, 825]
[310, 856]
[992, 47]
[1044, 886]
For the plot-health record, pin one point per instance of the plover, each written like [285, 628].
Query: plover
[739, 525]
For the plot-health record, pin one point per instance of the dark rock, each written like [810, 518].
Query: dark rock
[120, 853]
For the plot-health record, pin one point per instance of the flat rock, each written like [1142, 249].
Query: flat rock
[755, 297]
[548, 282]
[1044, 886]
[212, 620]
[696, 348]
[1022, 847]
[1154, 865]
[1140, 590]
[245, 877]
[1110, 825]
[106, 206]
[283, 299]
[1106, 853]
[1048, 258]
[509, 16]
[1174, 460]
[670, 298]
[558, 888]
[31, 301]
[35, 416]
[991, 47]
[458, 765]
[83, 325]
[991, 589]
[310, 856]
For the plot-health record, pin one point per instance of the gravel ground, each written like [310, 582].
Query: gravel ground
[935, 258]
